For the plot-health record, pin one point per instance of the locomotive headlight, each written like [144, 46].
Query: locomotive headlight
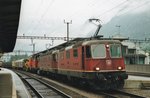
[119, 68]
[97, 68]
[107, 46]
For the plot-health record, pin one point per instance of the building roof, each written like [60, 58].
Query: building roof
[130, 45]
[9, 20]
[119, 37]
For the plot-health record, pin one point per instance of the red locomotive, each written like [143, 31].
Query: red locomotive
[95, 62]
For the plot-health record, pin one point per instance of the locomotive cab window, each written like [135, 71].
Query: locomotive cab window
[98, 51]
[115, 51]
[75, 53]
[67, 54]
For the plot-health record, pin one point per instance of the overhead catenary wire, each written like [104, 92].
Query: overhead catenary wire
[43, 15]
[36, 12]
[23, 28]
[135, 8]
[127, 12]
[109, 10]
[91, 6]
[95, 4]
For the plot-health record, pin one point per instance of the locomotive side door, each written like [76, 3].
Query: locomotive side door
[87, 57]
[55, 62]
[83, 58]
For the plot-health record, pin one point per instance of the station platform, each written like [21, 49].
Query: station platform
[11, 85]
[137, 82]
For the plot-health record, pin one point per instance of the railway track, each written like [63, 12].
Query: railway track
[42, 89]
[77, 92]
[73, 92]
[139, 74]
[144, 85]
[119, 94]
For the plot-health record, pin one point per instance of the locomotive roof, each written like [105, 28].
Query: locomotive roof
[77, 42]
[100, 41]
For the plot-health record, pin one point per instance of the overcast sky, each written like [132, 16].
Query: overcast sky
[39, 17]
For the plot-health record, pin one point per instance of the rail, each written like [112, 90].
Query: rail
[119, 93]
[41, 88]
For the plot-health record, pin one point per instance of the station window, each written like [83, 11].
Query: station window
[67, 54]
[75, 53]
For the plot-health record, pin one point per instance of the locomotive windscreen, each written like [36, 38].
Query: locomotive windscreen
[115, 50]
[98, 51]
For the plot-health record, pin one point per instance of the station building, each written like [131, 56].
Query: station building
[132, 52]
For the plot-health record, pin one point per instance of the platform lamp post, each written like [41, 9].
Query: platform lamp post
[68, 28]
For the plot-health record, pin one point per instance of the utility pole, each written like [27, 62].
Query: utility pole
[68, 28]
[118, 28]
[33, 44]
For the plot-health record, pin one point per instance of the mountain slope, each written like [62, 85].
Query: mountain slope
[132, 25]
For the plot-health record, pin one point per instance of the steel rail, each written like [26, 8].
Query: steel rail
[128, 94]
[59, 92]
[32, 88]
[52, 87]
[108, 95]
